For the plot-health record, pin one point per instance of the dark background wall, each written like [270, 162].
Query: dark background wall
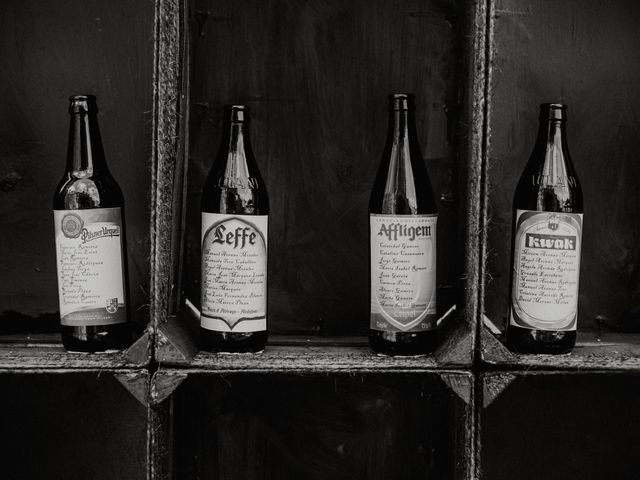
[49, 51]
[585, 53]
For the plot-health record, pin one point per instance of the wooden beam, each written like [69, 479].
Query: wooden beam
[493, 384]
[137, 383]
[163, 384]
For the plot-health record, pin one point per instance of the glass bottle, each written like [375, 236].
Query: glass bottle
[90, 241]
[402, 218]
[235, 211]
[546, 244]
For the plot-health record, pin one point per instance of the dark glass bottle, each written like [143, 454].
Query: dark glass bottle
[89, 224]
[546, 244]
[402, 219]
[235, 211]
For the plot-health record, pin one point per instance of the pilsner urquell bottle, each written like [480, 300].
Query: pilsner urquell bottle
[235, 211]
[546, 244]
[402, 220]
[89, 232]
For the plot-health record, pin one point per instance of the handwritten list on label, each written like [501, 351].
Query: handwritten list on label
[229, 278]
[395, 275]
[547, 277]
[80, 264]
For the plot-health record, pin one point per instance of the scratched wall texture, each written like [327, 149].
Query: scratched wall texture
[585, 53]
[374, 427]
[49, 51]
[316, 75]
[555, 427]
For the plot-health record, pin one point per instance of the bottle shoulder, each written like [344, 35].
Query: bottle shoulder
[402, 191]
[235, 200]
[398, 204]
[542, 195]
[75, 193]
[549, 182]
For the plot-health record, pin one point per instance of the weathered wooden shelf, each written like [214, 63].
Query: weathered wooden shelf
[177, 345]
[45, 351]
[311, 356]
[608, 351]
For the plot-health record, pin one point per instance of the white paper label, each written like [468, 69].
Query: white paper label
[234, 272]
[546, 270]
[403, 272]
[89, 264]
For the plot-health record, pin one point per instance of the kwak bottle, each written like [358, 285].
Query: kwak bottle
[546, 244]
[402, 219]
[235, 211]
[90, 243]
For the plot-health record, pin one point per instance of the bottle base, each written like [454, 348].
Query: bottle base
[232, 342]
[524, 340]
[96, 338]
[412, 344]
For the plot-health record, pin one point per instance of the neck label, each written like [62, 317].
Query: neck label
[546, 270]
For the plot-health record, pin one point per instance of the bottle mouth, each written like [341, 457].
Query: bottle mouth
[553, 111]
[83, 104]
[237, 113]
[401, 101]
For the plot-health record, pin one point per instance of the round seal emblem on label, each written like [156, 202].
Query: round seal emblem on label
[72, 225]
[111, 305]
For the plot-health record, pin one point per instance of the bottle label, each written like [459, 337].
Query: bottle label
[234, 272]
[403, 272]
[546, 270]
[90, 268]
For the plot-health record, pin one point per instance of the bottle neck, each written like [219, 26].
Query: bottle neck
[399, 126]
[550, 163]
[85, 154]
[400, 152]
[552, 133]
[234, 155]
[402, 138]
[552, 145]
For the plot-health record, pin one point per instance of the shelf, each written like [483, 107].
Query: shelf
[309, 355]
[44, 351]
[357, 426]
[535, 58]
[177, 342]
[609, 351]
[316, 76]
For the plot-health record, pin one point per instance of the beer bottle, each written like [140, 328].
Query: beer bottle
[235, 211]
[546, 244]
[89, 233]
[402, 220]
